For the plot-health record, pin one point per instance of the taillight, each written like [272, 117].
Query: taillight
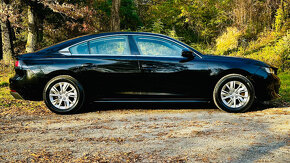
[17, 64]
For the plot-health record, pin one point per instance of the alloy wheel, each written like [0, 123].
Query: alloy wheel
[63, 95]
[235, 94]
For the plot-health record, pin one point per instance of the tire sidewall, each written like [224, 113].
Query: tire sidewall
[79, 89]
[226, 79]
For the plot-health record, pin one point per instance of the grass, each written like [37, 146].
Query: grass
[285, 85]
[4, 83]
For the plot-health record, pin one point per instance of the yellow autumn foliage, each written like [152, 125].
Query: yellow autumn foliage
[228, 41]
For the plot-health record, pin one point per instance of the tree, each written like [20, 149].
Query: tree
[115, 15]
[32, 28]
[6, 30]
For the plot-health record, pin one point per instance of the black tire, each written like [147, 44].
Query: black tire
[79, 100]
[223, 105]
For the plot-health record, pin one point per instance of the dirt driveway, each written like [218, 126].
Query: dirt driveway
[147, 135]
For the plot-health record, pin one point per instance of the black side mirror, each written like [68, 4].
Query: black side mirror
[187, 54]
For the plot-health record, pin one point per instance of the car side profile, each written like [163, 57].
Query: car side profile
[138, 67]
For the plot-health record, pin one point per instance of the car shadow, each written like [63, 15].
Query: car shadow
[263, 105]
[98, 106]
[93, 107]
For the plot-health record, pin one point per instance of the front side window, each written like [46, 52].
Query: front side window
[110, 45]
[80, 49]
[152, 46]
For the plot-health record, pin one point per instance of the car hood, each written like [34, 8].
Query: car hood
[235, 59]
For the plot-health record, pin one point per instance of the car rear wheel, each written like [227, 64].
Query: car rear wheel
[234, 93]
[64, 95]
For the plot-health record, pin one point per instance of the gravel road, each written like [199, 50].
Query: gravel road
[147, 135]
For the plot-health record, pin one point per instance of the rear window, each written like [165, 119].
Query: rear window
[116, 45]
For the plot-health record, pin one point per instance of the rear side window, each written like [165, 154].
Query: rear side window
[80, 49]
[116, 45]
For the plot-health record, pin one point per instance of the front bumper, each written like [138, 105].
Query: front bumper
[267, 88]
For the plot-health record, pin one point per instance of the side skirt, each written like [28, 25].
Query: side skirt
[125, 100]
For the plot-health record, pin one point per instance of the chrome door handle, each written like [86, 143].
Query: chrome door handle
[148, 67]
[87, 64]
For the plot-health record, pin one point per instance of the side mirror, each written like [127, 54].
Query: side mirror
[187, 54]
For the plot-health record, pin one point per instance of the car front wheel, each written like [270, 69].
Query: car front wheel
[64, 95]
[234, 93]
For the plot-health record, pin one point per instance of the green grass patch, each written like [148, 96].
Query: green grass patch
[285, 85]
[4, 84]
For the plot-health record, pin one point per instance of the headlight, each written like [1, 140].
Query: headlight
[269, 70]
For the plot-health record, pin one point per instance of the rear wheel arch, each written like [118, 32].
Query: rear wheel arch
[54, 74]
[61, 72]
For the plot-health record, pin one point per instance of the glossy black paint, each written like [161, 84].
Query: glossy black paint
[138, 77]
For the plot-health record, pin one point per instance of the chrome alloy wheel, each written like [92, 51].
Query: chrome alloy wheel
[63, 95]
[235, 94]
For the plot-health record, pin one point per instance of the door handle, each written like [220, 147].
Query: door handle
[148, 67]
[87, 64]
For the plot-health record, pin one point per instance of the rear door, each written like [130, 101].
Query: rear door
[107, 66]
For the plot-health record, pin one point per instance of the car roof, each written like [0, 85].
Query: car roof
[75, 40]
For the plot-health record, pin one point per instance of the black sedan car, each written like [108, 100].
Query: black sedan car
[138, 67]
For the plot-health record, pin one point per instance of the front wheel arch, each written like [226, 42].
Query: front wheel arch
[244, 73]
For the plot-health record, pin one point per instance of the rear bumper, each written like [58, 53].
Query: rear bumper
[16, 95]
[22, 88]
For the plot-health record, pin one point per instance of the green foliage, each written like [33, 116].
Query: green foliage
[158, 27]
[228, 41]
[129, 16]
[285, 85]
[268, 48]
[203, 48]
[279, 19]
[205, 18]
[172, 33]
[256, 29]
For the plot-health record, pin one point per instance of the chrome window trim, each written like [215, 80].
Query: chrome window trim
[66, 51]
[102, 55]
[110, 55]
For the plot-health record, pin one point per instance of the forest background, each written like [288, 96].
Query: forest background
[257, 29]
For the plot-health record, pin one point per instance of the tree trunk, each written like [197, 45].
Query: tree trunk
[6, 42]
[39, 28]
[32, 30]
[115, 15]
[1, 49]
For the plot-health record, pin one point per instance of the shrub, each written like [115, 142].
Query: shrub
[276, 54]
[228, 41]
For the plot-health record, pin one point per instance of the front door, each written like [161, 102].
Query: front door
[165, 73]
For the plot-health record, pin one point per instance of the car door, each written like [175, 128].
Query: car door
[106, 66]
[165, 73]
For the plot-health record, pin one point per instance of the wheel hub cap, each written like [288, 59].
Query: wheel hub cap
[235, 94]
[63, 95]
